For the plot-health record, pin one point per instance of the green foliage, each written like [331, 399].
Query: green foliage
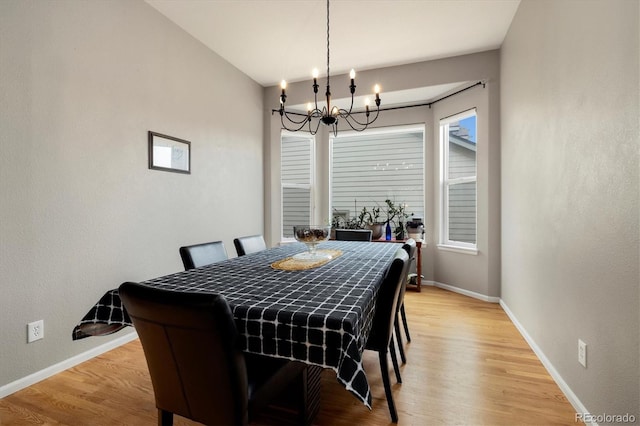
[373, 216]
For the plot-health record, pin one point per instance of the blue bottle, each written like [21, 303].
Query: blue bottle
[388, 232]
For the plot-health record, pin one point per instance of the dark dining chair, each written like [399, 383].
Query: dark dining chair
[198, 255]
[190, 342]
[410, 247]
[249, 244]
[353, 234]
[381, 336]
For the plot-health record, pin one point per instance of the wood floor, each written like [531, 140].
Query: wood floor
[466, 365]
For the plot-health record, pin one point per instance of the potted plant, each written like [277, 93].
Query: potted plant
[399, 212]
[370, 219]
[402, 216]
[391, 213]
[341, 221]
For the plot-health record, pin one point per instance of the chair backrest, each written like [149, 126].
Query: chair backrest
[353, 234]
[410, 247]
[189, 342]
[387, 302]
[249, 244]
[198, 255]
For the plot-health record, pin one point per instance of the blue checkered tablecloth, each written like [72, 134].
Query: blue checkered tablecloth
[321, 316]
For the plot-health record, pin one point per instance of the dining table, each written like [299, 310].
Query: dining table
[319, 314]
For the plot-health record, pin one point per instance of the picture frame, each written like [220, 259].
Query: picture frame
[169, 154]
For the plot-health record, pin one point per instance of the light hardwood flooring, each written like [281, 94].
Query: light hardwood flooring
[466, 365]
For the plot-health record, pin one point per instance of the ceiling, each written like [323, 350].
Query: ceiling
[272, 40]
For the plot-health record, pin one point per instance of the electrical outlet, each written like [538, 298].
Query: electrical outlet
[582, 353]
[35, 331]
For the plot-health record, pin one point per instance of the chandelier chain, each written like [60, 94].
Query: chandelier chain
[328, 44]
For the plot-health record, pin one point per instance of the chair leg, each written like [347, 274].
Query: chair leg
[404, 321]
[165, 418]
[399, 340]
[394, 359]
[384, 369]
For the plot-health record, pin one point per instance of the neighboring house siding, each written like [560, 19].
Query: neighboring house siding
[368, 169]
[462, 197]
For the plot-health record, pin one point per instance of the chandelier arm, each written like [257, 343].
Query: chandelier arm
[284, 126]
[304, 120]
[313, 132]
[351, 107]
[348, 116]
[294, 114]
[316, 113]
[357, 129]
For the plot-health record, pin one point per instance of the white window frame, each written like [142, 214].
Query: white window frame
[445, 242]
[310, 186]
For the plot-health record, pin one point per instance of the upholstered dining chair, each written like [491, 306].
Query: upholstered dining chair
[198, 255]
[353, 234]
[410, 247]
[381, 336]
[190, 342]
[249, 244]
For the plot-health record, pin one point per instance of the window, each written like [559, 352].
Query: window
[458, 181]
[297, 181]
[368, 168]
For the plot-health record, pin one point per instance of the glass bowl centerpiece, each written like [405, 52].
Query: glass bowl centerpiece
[311, 235]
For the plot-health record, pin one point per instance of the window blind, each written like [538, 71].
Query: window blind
[368, 168]
[296, 179]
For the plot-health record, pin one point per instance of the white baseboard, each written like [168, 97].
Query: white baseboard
[463, 291]
[564, 387]
[31, 379]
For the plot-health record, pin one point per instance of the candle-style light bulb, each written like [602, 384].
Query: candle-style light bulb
[334, 110]
[309, 107]
[352, 86]
[376, 89]
[314, 73]
[283, 96]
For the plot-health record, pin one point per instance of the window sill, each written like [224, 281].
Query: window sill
[457, 249]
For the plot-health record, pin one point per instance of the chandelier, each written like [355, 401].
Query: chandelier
[328, 115]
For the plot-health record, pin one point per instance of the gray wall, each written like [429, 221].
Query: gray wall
[82, 82]
[479, 274]
[570, 189]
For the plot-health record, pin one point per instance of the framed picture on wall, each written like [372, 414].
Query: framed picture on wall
[169, 154]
